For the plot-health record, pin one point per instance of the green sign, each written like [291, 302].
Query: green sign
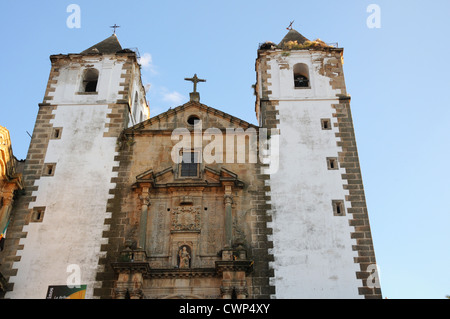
[65, 292]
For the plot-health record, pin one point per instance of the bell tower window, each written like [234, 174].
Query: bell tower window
[90, 80]
[301, 76]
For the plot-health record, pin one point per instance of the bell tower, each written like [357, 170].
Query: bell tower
[321, 235]
[70, 170]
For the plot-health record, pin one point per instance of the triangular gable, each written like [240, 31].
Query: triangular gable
[178, 117]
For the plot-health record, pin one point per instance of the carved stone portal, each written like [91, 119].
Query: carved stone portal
[185, 218]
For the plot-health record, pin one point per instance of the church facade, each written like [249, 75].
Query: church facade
[193, 202]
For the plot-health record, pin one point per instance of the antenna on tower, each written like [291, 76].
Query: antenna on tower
[290, 25]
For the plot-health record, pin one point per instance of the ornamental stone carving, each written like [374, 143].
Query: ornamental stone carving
[185, 218]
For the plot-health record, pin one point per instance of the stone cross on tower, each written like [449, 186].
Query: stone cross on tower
[115, 26]
[195, 96]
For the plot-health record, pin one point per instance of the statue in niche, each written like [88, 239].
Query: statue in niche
[184, 257]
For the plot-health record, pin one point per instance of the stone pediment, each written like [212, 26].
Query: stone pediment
[181, 116]
[168, 178]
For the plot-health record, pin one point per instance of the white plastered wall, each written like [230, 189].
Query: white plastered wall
[69, 86]
[313, 256]
[75, 198]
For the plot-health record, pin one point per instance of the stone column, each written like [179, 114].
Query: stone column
[129, 285]
[5, 211]
[136, 294]
[145, 203]
[121, 289]
[120, 293]
[228, 220]
[241, 292]
[137, 281]
[226, 292]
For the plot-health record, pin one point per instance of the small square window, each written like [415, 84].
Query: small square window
[56, 133]
[37, 216]
[332, 163]
[338, 208]
[49, 169]
[326, 124]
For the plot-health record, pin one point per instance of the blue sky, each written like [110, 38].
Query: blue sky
[397, 75]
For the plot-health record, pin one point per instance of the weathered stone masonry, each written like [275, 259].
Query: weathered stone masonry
[117, 223]
[34, 165]
[124, 206]
[349, 160]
